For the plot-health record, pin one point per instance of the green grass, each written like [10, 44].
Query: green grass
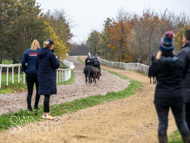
[12, 87]
[78, 58]
[7, 62]
[175, 138]
[59, 109]
[62, 65]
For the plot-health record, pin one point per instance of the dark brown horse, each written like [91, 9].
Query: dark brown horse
[153, 77]
[96, 74]
[88, 71]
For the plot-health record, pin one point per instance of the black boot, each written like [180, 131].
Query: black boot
[186, 139]
[163, 139]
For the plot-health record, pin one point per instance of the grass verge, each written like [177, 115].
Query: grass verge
[12, 87]
[175, 138]
[6, 120]
[62, 65]
[79, 59]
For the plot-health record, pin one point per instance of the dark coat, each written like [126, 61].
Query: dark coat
[47, 63]
[29, 57]
[96, 64]
[88, 61]
[184, 55]
[169, 74]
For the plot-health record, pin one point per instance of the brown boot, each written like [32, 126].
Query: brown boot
[163, 139]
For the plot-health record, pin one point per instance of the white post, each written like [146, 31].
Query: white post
[62, 75]
[0, 76]
[12, 74]
[65, 75]
[57, 77]
[24, 77]
[69, 74]
[19, 74]
[7, 75]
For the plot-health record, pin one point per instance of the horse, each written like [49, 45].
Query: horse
[154, 78]
[88, 71]
[96, 74]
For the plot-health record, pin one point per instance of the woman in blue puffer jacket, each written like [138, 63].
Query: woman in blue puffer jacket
[46, 64]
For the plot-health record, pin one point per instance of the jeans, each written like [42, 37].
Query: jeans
[46, 103]
[179, 115]
[31, 79]
[187, 113]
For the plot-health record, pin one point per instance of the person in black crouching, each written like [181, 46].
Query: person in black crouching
[168, 70]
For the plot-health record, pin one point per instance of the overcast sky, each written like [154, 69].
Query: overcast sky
[88, 15]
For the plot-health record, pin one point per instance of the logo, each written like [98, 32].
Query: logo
[48, 126]
[33, 54]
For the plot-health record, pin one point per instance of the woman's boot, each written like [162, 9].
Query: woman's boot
[186, 139]
[163, 139]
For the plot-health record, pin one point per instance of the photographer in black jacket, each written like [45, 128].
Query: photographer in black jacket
[184, 55]
[168, 70]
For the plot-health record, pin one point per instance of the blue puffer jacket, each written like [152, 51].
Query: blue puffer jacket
[46, 64]
[29, 57]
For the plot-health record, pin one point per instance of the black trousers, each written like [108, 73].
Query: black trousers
[179, 115]
[46, 103]
[31, 79]
[187, 114]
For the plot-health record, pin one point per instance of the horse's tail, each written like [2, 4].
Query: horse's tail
[89, 71]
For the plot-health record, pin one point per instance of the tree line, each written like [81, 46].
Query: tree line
[134, 38]
[22, 21]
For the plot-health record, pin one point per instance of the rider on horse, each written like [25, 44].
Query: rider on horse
[88, 61]
[96, 64]
[153, 57]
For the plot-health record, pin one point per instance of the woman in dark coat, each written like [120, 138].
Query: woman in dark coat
[168, 70]
[47, 63]
[184, 55]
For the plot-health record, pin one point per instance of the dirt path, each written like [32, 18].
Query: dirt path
[17, 101]
[130, 120]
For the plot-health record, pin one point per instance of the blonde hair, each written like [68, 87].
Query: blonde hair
[35, 45]
[159, 54]
[47, 44]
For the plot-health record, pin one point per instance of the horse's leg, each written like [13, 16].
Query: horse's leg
[86, 77]
[154, 79]
[150, 79]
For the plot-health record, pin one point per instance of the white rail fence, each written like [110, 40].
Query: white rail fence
[62, 74]
[126, 66]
